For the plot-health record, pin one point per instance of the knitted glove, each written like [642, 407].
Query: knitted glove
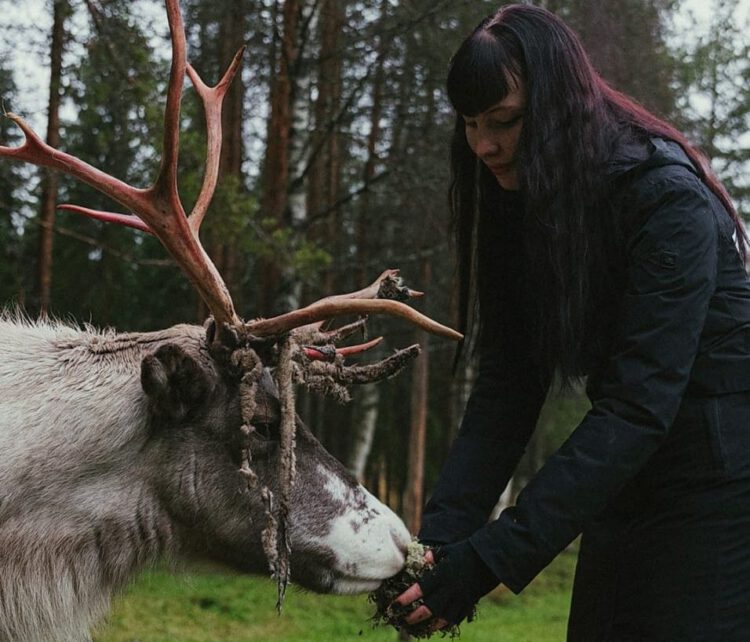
[456, 582]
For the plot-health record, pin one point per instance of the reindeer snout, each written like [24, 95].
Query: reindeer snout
[401, 537]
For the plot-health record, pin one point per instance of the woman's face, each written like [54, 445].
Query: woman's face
[493, 135]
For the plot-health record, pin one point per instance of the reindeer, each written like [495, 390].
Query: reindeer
[119, 450]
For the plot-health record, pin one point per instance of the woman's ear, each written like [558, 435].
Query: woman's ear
[174, 382]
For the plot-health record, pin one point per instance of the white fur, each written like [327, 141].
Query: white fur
[368, 539]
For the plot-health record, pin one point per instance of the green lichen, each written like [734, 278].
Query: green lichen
[388, 612]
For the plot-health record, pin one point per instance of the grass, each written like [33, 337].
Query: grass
[161, 607]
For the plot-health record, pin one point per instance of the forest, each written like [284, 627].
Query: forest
[334, 167]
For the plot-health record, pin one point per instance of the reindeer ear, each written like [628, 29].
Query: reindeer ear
[174, 381]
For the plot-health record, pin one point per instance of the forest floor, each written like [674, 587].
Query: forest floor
[210, 607]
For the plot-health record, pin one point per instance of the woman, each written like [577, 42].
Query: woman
[605, 247]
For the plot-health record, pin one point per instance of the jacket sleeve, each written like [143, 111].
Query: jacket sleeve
[671, 275]
[500, 417]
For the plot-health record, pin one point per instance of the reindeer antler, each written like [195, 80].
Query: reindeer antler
[383, 296]
[158, 209]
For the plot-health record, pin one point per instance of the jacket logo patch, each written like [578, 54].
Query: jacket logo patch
[668, 260]
[665, 259]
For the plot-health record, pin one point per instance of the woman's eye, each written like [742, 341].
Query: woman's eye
[506, 124]
[471, 124]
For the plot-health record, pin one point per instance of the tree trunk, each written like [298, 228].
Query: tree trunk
[325, 168]
[61, 10]
[304, 114]
[609, 27]
[232, 36]
[275, 182]
[367, 402]
[367, 419]
[363, 239]
[414, 493]
[232, 33]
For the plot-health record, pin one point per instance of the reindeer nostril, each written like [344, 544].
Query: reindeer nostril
[400, 539]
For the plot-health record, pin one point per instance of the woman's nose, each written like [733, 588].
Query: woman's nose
[486, 146]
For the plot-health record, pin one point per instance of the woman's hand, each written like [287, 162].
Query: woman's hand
[421, 613]
[451, 589]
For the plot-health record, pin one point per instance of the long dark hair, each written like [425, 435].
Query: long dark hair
[572, 124]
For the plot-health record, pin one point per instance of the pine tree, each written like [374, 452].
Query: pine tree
[714, 88]
[12, 286]
[61, 12]
[104, 272]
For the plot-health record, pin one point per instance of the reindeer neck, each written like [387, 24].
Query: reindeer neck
[60, 567]
[72, 424]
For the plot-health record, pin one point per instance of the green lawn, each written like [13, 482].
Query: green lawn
[161, 607]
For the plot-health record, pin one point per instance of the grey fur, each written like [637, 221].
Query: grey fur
[99, 479]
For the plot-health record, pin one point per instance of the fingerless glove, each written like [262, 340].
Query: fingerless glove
[456, 582]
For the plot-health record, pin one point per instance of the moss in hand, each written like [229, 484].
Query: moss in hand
[389, 612]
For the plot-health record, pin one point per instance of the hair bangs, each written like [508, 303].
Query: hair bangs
[482, 73]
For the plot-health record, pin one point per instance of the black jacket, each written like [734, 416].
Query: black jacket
[682, 327]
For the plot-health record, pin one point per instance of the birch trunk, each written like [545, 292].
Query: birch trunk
[367, 419]
[366, 413]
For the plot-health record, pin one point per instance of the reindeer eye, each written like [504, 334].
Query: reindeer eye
[264, 431]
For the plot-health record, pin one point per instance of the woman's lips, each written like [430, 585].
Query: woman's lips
[501, 168]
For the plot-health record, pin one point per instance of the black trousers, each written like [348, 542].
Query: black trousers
[670, 558]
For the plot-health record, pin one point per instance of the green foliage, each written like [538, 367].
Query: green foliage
[109, 274]
[560, 415]
[232, 213]
[713, 82]
[310, 258]
[289, 249]
[13, 244]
